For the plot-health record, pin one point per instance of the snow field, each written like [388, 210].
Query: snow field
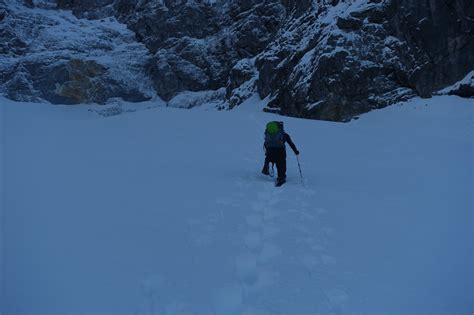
[164, 211]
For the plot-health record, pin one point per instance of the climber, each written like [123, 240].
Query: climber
[275, 149]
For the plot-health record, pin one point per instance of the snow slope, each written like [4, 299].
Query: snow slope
[163, 211]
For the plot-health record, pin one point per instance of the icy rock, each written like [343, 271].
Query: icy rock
[242, 72]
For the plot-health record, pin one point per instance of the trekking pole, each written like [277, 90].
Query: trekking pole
[299, 167]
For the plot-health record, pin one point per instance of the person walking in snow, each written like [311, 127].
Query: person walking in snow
[275, 150]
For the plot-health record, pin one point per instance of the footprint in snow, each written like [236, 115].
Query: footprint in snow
[228, 301]
[254, 220]
[270, 231]
[150, 291]
[337, 299]
[310, 261]
[253, 240]
[320, 211]
[328, 260]
[246, 267]
[268, 253]
[328, 231]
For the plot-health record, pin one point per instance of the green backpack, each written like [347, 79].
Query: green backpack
[274, 135]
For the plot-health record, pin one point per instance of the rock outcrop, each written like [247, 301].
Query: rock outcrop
[463, 88]
[61, 59]
[356, 58]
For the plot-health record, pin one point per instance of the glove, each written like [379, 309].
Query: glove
[297, 152]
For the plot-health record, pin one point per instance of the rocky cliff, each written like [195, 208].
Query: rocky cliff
[46, 54]
[325, 59]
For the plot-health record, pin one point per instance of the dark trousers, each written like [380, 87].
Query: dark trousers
[277, 156]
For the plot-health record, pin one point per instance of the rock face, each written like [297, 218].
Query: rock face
[369, 56]
[443, 33]
[318, 59]
[195, 44]
[63, 60]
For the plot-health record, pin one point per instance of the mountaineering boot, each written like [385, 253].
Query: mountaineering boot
[265, 171]
[279, 182]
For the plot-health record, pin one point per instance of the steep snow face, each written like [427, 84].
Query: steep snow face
[53, 55]
[165, 211]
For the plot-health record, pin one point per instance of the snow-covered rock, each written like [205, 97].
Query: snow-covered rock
[53, 55]
[463, 88]
[324, 59]
[189, 99]
[349, 57]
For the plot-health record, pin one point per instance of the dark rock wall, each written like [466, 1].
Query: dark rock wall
[321, 59]
[443, 33]
[195, 43]
[383, 53]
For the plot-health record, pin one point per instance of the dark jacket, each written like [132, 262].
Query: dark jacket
[281, 152]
